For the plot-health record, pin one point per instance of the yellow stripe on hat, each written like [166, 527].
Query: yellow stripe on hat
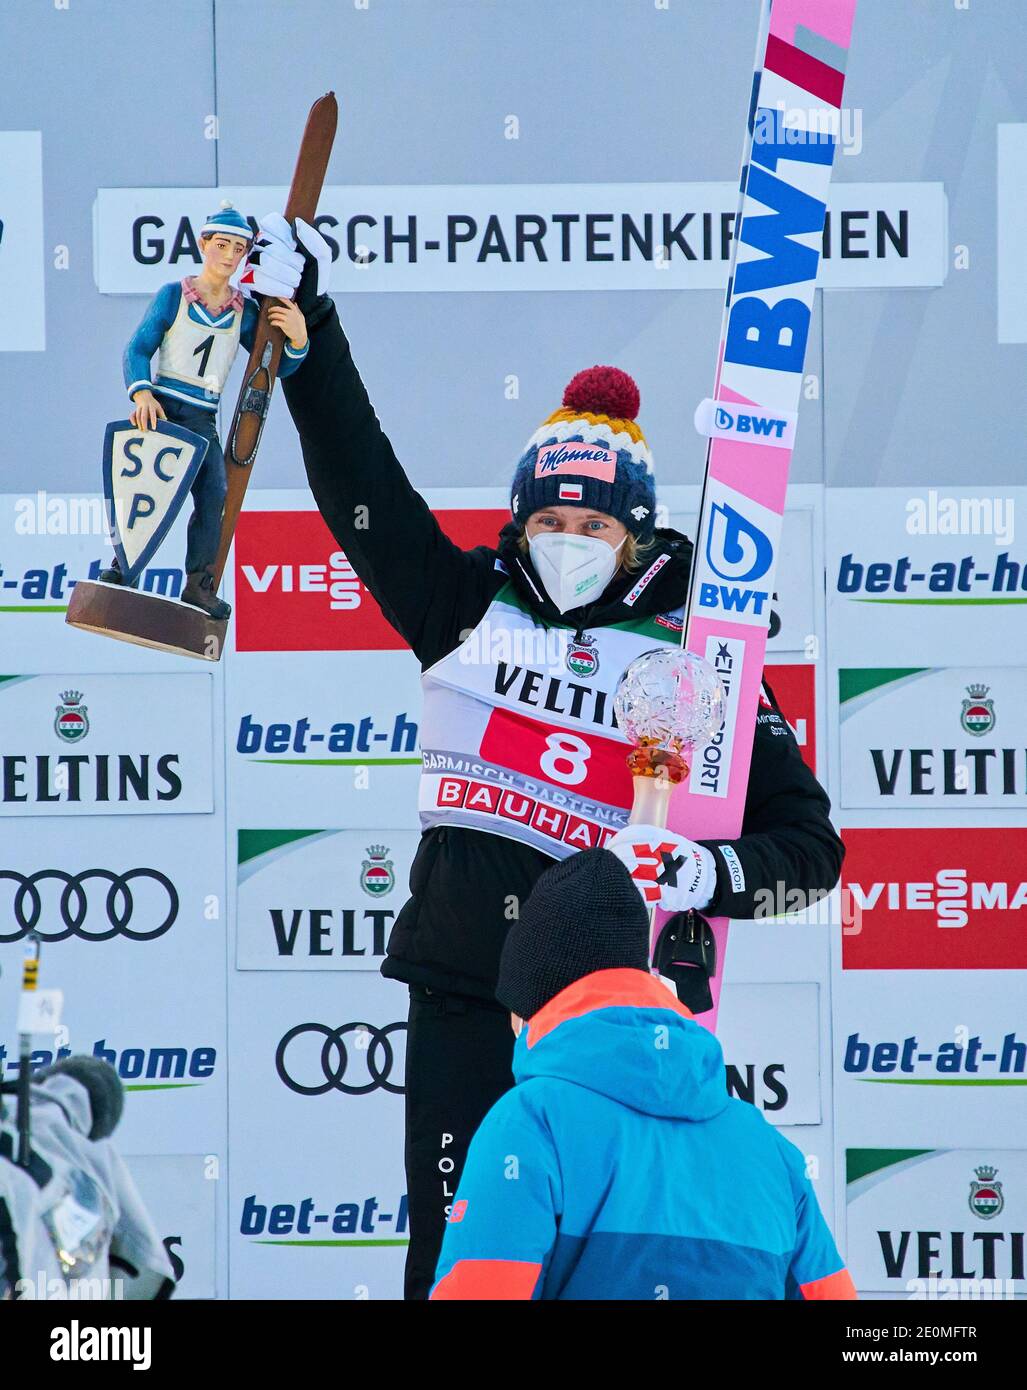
[629, 427]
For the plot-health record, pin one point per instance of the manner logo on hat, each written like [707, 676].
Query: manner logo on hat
[581, 459]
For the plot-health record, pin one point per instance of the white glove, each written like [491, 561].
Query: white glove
[668, 870]
[274, 265]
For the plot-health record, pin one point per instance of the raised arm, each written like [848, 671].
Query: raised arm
[428, 588]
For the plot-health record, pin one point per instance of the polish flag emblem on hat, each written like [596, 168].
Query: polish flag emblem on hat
[570, 492]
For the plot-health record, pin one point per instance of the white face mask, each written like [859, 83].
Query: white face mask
[574, 569]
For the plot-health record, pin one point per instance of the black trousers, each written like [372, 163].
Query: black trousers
[459, 1052]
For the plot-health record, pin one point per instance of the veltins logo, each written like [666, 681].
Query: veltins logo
[914, 1227]
[986, 1200]
[978, 713]
[319, 899]
[72, 719]
[295, 589]
[942, 899]
[932, 737]
[376, 875]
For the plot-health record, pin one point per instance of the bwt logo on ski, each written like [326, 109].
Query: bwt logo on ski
[747, 424]
[282, 738]
[947, 899]
[965, 1058]
[295, 590]
[140, 1068]
[738, 558]
[263, 1221]
[962, 581]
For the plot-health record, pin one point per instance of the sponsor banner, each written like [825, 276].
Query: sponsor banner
[935, 899]
[296, 591]
[319, 899]
[794, 686]
[771, 1039]
[485, 237]
[933, 737]
[87, 745]
[317, 1191]
[181, 1194]
[50, 542]
[23, 323]
[324, 729]
[937, 1223]
[131, 916]
[911, 575]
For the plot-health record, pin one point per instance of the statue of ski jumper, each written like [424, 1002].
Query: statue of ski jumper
[195, 327]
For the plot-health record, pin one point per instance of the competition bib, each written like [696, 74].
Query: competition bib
[518, 734]
[197, 352]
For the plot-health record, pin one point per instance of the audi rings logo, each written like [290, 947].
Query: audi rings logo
[347, 1055]
[94, 905]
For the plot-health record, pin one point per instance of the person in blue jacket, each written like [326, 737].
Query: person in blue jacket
[195, 327]
[618, 1167]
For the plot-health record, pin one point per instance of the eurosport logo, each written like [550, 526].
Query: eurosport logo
[966, 1059]
[944, 899]
[738, 553]
[94, 904]
[295, 590]
[354, 1058]
[748, 425]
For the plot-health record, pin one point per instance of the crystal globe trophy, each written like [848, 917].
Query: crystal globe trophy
[669, 705]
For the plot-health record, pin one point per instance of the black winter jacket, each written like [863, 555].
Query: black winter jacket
[449, 934]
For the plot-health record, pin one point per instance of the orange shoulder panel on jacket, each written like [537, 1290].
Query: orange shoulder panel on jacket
[488, 1279]
[833, 1286]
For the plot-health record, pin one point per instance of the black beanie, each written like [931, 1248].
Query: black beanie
[584, 914]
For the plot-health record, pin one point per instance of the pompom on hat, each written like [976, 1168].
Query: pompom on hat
[590, 453]
[229, 221]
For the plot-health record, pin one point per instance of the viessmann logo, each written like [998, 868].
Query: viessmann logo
[962, 906]
[296, 590]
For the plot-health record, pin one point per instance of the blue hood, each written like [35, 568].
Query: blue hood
[623, 1034]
